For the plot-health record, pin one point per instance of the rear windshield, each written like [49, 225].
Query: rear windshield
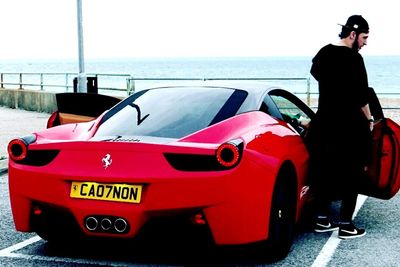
[171, 112]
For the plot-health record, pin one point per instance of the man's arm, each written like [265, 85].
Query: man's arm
[367, 112]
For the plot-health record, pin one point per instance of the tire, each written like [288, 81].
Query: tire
[59, 236]
[283, 214]
[55, 226]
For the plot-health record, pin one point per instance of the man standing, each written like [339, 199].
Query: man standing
[339, 137]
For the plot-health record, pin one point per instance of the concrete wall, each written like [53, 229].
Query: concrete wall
[31, 100]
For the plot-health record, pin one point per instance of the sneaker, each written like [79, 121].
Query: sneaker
[347, 231]
[323, 224]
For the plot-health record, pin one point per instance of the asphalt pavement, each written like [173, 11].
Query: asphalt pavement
[16, 123]
[378, 248]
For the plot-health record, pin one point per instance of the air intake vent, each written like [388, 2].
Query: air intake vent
[134, 140]
[187, 162]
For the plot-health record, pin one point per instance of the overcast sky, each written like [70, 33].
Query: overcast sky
[47, 29]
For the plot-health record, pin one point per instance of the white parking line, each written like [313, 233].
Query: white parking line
[322, 260]
[68, 260]
[333, 242]
[9, 253]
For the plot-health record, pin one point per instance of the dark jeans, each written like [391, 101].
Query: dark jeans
[348, 205]
[335, 176]
[336, 163]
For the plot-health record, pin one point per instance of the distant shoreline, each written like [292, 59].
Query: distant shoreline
[202, 58]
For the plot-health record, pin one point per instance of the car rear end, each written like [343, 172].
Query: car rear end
[143, 164]
[113, 188]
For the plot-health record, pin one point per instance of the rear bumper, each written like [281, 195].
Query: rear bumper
[235, 203]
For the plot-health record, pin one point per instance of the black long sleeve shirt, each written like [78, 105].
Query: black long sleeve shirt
[340, 128]
[343, 82]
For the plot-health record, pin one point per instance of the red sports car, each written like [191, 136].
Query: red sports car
[227, 157]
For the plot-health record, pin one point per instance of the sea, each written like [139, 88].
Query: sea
[383, 71]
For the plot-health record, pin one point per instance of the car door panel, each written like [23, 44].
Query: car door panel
[383, 175]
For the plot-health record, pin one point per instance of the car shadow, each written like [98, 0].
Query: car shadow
[171, 244]
[155, 249]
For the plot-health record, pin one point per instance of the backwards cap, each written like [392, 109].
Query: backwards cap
[355, 23]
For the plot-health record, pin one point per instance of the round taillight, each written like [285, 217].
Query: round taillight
[228, 154]
[17, 149]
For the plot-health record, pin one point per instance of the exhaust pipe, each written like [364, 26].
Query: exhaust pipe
[120, 225]
[108, 224]
[91, 223]
[105, 224]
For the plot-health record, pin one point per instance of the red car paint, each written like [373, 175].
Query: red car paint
[235, 201]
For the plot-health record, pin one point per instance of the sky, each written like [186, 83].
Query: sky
[47, 29]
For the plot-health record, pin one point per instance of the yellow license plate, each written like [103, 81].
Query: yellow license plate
[109, 192]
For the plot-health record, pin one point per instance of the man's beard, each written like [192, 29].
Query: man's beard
[355, 46]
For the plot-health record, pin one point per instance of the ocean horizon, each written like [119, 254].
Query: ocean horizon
[383, 71]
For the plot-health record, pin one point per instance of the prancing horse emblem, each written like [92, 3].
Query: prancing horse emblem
[106, 161]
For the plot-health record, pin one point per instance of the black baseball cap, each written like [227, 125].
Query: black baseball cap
[356, 23]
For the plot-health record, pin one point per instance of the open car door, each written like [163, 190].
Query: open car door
[383, 175]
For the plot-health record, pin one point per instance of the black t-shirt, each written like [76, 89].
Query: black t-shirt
[343, 82]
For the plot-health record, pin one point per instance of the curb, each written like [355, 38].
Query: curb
[3, 166]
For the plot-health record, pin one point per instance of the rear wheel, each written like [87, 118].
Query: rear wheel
[283, 214]
[55, 225]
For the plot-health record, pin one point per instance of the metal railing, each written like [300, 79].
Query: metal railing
[54, 80]
[308, 94]
[127, 84]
